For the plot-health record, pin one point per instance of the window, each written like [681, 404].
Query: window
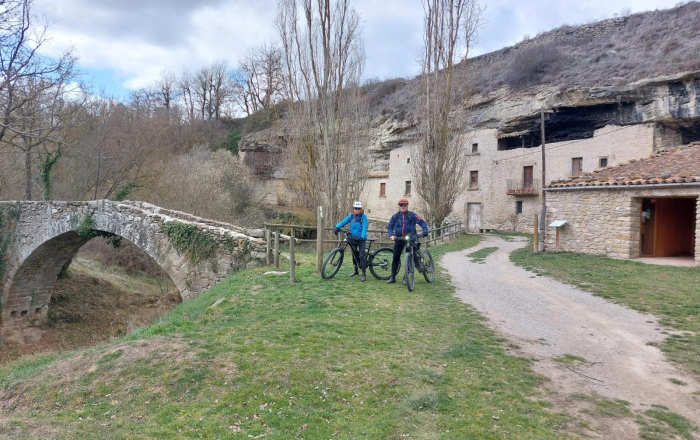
[382, 190]
[527, 178]
[519, 207]
[475, 148]
[603, 162]
[576, 166]
[408, 160]
[473, 179]
[408, 188]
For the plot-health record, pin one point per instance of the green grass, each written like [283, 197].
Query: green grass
[661, 424]
[602, 407]
[318, 359]
[570, 359]
[671, 293]
[480, 255]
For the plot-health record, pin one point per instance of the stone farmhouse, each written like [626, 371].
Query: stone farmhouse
[642, 208]
[591, 126]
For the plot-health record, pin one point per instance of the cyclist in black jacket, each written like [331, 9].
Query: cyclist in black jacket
[402, 223]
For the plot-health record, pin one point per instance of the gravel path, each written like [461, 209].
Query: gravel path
[547, 319]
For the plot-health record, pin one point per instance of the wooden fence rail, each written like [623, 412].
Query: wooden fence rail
[273, 237]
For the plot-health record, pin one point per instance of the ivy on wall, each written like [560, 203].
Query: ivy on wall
[191, 241]
[86, 228]
[9, 214]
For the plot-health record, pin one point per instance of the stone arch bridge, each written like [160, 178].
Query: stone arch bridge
[39, 239]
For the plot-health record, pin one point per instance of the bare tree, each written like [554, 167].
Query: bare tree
[186, 85]
[32, 86]
[328, 123]
[209, 90]
[439, 161]
[165, 90]
[257, 82]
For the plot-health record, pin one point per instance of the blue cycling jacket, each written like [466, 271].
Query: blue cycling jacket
[358, 224]
[402, 224]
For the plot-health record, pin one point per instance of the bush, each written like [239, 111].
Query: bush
[302, 219]
[531, 65]
[231, 142]
[215, 185]
[127, 255]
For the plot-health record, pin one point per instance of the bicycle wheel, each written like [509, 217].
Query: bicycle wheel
[331, 265]
[428, 266]
[380, 263]
[410, 280]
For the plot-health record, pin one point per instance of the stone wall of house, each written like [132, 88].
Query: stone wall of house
[495, 168]
[606, 221]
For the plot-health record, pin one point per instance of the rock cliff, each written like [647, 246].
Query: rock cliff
[626, 70]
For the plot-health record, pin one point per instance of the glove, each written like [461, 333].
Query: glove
[336, 230]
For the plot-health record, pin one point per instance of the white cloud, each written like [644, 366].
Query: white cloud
[138, 39]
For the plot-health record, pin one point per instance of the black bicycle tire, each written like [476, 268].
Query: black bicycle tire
[428, 266]
[331, 273]
[410, 273]
[387, 261]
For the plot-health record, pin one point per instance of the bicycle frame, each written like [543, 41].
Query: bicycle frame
[353, 249]
[412, 248]
[378, 261]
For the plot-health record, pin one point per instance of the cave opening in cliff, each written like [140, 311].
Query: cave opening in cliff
[690, 133]
[567, 124]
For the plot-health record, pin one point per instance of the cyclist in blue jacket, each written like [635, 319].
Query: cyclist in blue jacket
[358, 229]
[402, 223]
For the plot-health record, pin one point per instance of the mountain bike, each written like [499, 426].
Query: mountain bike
[424, 261]
[378, 262]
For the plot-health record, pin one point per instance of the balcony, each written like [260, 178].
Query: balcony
[517, 187]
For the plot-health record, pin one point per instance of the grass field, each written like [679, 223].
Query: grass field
[315, 360]
[671, 293]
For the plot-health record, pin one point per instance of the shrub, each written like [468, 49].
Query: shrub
[301, 219]
[128, 256]
[531, 65]
[215, 185]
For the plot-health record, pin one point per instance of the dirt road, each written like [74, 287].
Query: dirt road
[547, 319]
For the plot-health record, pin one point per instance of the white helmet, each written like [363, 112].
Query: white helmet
[357, 204]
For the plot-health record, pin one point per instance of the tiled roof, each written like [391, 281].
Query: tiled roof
[677, 165]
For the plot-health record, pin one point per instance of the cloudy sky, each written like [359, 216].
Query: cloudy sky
[126, 44]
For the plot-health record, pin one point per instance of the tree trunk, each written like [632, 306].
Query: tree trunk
[28, 174]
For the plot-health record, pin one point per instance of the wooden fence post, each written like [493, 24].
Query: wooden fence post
[319, 239]
[536, 234]
[268, 245]
[277, 249]
[292, 262]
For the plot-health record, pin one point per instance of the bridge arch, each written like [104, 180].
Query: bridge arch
[46, 237]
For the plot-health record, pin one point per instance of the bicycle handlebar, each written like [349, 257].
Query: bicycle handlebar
[409, 238]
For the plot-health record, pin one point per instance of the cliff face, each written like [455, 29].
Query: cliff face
[622, 71]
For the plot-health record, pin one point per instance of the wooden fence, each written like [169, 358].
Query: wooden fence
[274, 239]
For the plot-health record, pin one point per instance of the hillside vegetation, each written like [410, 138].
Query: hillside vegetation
[610, 52]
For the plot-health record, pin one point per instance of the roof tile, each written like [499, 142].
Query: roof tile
[676, 165]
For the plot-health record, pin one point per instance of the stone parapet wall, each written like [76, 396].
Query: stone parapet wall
[606, 221]
[43, 237]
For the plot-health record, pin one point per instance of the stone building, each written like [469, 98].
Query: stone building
[504, 184]
[592, 121]
[641, 208]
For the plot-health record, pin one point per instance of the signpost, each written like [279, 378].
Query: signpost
[558, 224]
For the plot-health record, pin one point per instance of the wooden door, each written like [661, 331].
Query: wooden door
[576, 166]
[474, 214]
[527, 177]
